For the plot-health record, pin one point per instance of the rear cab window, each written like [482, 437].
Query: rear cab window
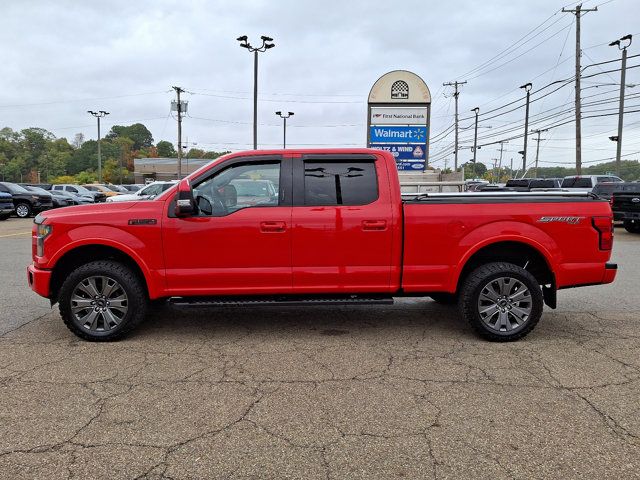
[340, 182]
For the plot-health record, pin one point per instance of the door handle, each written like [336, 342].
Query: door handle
[374, 225]
[273, 227]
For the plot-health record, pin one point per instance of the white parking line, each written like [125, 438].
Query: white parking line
[15, 234]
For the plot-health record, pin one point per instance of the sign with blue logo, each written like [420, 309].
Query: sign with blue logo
[408, 157]
[397, 134]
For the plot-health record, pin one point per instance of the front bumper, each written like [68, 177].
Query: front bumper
[619, 216]
[39, 280]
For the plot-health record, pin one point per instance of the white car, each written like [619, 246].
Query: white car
[149, 192]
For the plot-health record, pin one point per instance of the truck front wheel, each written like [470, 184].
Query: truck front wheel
[102, 300]
[502, 301]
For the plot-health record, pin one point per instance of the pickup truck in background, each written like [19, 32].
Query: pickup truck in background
[626, 207]
[329, 227]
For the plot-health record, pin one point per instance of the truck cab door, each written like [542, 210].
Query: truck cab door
[239, 240]
[343, 225]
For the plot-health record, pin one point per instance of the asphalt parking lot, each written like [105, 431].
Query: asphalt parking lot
[402, 391]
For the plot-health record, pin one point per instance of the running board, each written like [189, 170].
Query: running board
[280, 301]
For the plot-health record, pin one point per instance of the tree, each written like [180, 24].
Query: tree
[78, 140]
[137, 132]
[165, 149]
[476, 170]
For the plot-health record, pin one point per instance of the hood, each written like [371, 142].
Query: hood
[91, 210]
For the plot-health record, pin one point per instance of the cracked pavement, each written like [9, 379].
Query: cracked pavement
[401, 391]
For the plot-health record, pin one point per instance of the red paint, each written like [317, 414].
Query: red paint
[381, 247]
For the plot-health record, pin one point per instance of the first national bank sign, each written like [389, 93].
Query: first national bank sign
[398, 116]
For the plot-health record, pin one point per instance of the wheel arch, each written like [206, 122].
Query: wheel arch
[80, 255]
[528, 255]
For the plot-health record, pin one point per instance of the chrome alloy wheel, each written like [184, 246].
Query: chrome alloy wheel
[504, 304]
[22, 210]
[99, 303]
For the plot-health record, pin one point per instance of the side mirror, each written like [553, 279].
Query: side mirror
[185, 203]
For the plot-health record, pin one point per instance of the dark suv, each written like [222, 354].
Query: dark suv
[625, 204]
[26, 203]
[6, 205]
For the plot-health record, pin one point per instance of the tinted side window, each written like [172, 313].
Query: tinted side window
[72, 189]
[340, 183]
[577, 182]
[239, 186]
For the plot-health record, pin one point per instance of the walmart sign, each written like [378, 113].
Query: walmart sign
[397, 134]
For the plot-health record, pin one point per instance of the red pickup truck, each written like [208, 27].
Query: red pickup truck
[318, 227]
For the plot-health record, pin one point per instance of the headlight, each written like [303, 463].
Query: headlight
[43, 232]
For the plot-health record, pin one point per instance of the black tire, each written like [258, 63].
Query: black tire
[632, 226]
[3, 217]
[23, 210]
[135, 300]
[483, 281]
[444, 298]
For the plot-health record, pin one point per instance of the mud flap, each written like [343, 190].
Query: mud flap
[550, 295]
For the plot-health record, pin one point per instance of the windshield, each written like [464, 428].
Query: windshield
[80, 188]
[13, 188]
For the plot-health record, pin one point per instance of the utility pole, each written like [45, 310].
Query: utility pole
[284, 118]
[502, 142]
[99, 114]
[266, 45]
[623, 74]
[455, 96]
[511, 172]
[475, 140]
[527, 88]
[578, 12]
[179, 109]
[537, 149]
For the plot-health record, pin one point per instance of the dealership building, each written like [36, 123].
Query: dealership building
[151, 169]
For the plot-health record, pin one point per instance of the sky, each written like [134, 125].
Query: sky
[63, 58]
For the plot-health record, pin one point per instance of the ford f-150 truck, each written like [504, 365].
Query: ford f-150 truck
[331, 228]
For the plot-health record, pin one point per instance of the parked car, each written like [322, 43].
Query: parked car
[6, 205]
[150, 191]
[607, 189]
[338, 234]
[96, 197]
[56, 201]
[586, 183]
[72, 197]
[26, 203]
[134, 187]
[626, 207]
[105, 190]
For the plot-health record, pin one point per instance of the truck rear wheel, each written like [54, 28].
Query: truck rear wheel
[632, 226]
[102, 301]
[502, 301]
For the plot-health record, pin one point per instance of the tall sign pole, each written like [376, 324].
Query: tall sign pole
[398, 119]
[180, 111]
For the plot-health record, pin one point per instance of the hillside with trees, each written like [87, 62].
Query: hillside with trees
[36, 155]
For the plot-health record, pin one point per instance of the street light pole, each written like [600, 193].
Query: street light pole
[527, 88]
[623, 72]
[99, 114]
[284, 118]
[266, 45]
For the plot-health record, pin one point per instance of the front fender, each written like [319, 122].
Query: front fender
[144, 249]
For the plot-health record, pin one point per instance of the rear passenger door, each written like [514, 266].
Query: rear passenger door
[341, 225]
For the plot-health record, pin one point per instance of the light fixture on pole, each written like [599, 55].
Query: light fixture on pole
[284, 118]
[267, 43]
[527, 88]
[99, 114]
[622, 44]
